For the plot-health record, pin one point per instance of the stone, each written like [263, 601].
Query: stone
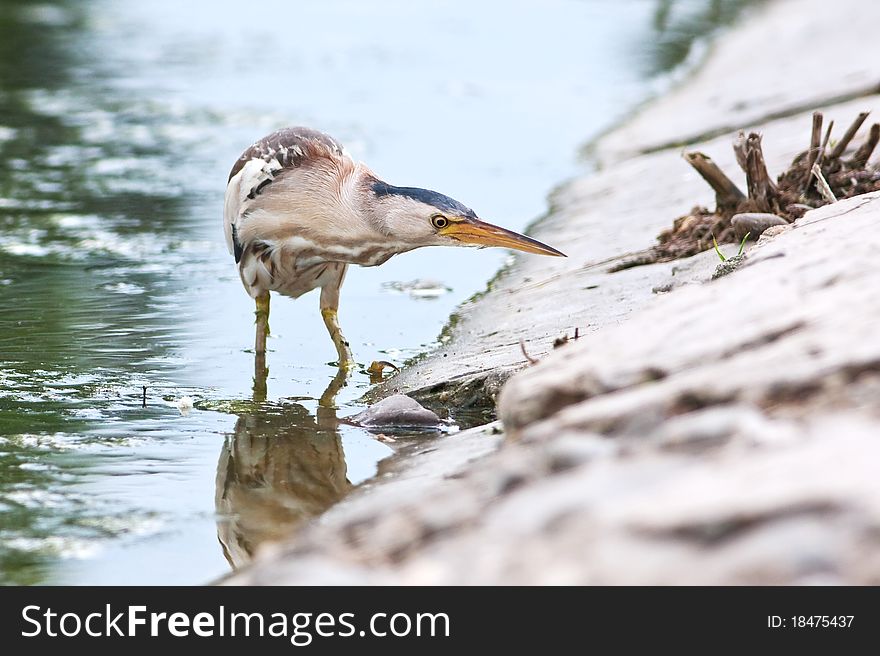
[398, 411]
[728, 266]
[724, 434]
[747, 337]
[754, 224]
[771, 232]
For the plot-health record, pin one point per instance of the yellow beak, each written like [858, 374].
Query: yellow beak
[480, 233]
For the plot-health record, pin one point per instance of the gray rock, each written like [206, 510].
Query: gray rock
[746, 337]
[724, 435]
[754, 223]
[729, 265]
[771, 232]
[398, 411]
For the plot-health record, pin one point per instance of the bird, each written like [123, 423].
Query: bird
[298, 210]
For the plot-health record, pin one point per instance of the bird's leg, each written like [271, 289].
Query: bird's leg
[326, 412]
[331, 320]
[262, 321]
[261, 375]
[329, 306]
[261, 371]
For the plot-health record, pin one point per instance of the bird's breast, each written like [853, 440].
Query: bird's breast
[304, 252]
[297, 265]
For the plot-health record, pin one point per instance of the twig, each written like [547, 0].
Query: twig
[863, 154]
[822, 185]
[824, 145]
[525, 353]
[739, 149]
[762, 189]
[813, 153]
[848, 136]
[727, 194]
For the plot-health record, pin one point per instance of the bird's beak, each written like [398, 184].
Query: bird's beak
[480, 233]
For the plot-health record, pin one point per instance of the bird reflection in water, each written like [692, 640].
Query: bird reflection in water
[282, 466]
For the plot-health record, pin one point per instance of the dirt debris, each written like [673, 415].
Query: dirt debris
[827, 171]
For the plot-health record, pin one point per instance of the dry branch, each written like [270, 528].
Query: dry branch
[863, 154]
[727, 194]
[783, 200]
[762, 190]
[739, 149]
[848, 135]
[813, 153]
[822, 185]
[824, 146]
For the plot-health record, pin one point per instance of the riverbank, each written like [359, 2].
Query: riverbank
[697, 431]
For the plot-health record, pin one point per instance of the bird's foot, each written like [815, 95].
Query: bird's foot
[346, 359]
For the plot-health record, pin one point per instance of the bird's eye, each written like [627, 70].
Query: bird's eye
[439, 221]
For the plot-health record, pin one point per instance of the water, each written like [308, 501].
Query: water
[118, 125]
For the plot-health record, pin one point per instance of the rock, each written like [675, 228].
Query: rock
[725, 434]
[397, 411]
[746, 338]
[703, 429]
[729, 265]
[754, 223]
[771, 232]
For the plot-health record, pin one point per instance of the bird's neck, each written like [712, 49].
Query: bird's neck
[361, 198]
[338, 201]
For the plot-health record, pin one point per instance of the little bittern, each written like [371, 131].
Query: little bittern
[299, 210]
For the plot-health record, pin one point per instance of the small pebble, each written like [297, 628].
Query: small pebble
[754, 223]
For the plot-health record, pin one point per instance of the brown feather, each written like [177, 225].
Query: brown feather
[289, 147]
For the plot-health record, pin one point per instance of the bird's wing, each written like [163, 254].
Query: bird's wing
[263, 163]
[288, 147]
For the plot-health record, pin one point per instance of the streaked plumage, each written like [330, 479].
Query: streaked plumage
[298, 210]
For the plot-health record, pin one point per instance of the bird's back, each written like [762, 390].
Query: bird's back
[271, 205]
[289, 147]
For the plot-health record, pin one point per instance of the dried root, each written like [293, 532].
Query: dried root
[820, 175]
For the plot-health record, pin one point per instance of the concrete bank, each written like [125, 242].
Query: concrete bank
[715, 432]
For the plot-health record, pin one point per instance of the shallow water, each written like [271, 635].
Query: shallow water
[118, 125]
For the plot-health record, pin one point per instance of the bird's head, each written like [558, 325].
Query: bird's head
[421, 217]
